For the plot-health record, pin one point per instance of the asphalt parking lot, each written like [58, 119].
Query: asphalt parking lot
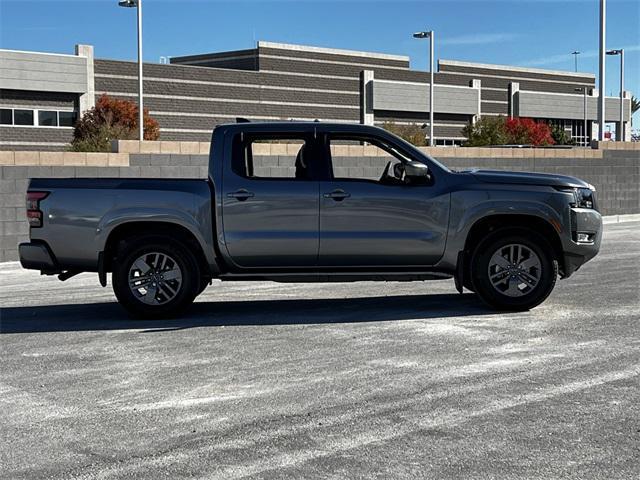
[364, 380]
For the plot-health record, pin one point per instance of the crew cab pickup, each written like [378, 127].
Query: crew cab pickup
[307, 217]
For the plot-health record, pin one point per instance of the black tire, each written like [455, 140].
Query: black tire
[469, 286]
[204, 283]
[529, 296]
[170, 297]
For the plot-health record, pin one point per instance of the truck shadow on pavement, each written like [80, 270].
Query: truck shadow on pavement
[110, 316]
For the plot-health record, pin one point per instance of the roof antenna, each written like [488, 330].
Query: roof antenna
[242, 120]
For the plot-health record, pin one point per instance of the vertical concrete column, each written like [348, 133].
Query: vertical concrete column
[87, 99]
[477, 84]
[366, 97]
[627, 115]
[593, 113]
[514, 88]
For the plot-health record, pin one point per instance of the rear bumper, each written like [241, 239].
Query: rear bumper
[577, 253]
[38, 256]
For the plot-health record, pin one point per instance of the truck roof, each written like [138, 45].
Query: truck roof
[300, 126]
[284, 127]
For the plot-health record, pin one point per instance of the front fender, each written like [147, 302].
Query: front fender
[467, 208]
[496, 207]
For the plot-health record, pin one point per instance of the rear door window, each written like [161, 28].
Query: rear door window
[278, 157]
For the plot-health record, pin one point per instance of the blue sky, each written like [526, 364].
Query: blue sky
[539, 33]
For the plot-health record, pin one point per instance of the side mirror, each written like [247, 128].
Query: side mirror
[416, 172]
[398, 170]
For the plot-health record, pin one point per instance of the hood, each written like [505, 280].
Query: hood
[527, 178]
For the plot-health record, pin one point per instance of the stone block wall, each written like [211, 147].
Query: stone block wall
[614, 172]
[15, 179]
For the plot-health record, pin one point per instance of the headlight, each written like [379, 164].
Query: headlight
[585, 198]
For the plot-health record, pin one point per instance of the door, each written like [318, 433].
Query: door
[271, 202]
[370, 216]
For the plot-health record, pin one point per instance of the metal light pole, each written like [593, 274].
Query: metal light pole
[430, 35]
[138, 5]
[575, 54]
[601, 70]
[584, 109]
[620, 52]
[621, 95]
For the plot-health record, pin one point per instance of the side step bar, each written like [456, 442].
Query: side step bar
[337, 276]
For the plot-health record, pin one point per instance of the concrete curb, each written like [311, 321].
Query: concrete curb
[632, 217]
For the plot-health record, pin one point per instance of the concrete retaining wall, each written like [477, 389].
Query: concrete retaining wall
[615, 173]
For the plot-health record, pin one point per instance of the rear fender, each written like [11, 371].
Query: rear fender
[116, 218]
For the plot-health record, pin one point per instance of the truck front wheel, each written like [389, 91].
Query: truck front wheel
[155, 277]
[514, 270]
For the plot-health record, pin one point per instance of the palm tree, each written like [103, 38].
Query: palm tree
[635, 106]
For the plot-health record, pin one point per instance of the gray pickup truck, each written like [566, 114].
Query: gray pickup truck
[505, 236]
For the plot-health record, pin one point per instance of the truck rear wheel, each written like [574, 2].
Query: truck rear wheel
[514, 270]
[155, 277]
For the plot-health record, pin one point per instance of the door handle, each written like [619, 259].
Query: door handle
[241, 195]
[337, 195]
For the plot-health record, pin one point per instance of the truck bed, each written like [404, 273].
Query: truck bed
[80, 213]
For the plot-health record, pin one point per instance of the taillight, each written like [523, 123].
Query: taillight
[34, 214]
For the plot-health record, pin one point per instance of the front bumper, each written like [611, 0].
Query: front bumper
[585, 221]
[38, 256]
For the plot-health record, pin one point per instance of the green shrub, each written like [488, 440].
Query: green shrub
[99, 140]
[487, 130]
[412, 133]
[560, 136]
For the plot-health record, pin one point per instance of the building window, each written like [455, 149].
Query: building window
[67, 119]
[47, 118]
[37, 118]
[6, 116]
[23, 117]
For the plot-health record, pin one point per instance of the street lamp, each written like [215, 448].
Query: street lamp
[430, 35]
[584, 108]
[138, 5]
[620, 51]
[575, 54]
[601, 70]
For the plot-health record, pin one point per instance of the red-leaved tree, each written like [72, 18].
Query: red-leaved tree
[525, 131]
[111, 119]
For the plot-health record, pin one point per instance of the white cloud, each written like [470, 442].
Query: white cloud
[479, 38]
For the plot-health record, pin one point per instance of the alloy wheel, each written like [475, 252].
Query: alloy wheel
[155, 278]
[514, 270]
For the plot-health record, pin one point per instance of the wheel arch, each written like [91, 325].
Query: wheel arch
[136, 228]
[491, 223]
